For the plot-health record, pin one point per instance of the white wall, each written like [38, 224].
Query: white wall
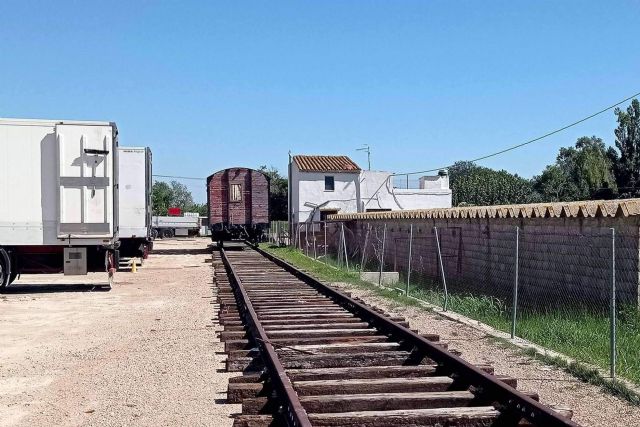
[359, 192]
[378, 192]
[309, 187]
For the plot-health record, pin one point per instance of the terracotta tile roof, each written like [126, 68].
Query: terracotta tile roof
[326, 164]
[585, 209]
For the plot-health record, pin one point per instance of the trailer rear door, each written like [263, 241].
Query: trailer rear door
[86, 168]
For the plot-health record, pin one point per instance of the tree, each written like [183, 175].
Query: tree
[627, 162]
[555, 185]
[201, 208]
[581, 172]
[477, 185]
[181, 196]
[173, 195]
[161, 196]
[278, 193]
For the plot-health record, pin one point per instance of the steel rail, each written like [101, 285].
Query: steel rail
[512, 404]
[295, 414]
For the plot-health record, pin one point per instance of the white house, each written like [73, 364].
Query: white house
[325, 185]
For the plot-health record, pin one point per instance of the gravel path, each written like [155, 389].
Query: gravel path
[144, 353]
[591, 406]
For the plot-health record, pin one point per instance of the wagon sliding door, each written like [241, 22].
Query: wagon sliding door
[85, 161]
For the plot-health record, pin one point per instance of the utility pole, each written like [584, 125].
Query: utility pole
[289, 200]
[368, 150]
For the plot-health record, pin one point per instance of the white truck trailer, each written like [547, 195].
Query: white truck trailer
[58, 197]
[135, 175]
[172, 226]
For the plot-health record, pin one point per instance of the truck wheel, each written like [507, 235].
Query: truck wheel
[5, 269]
[154, 234]
[167, 233]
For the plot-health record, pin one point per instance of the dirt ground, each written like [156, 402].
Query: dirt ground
[591, 406]
[143, 353]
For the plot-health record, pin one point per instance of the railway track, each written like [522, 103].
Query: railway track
[311, 355]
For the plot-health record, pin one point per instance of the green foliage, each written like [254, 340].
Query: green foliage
[477, 185]
[181, 196]
[554, 185]
[201, 208]
[161, 196]
[278, 197]
[627, 162]
[587, 170]
[169, 195]
[580, 173]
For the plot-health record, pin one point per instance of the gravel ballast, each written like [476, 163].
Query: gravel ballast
[591, 406]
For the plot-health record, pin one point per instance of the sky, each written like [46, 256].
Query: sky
[210, 85]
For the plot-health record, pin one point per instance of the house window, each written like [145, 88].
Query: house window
[235, 193]
[329, 183]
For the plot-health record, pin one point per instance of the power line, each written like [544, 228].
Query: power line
[531, 141]
[179, 177]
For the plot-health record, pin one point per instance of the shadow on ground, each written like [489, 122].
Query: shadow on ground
[198, 251]
[57, 288]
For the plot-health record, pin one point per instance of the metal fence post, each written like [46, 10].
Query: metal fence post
[514, 310]
[613, 303]
[306, 238]
[344, 246]
[339, 248]
[315, 250]
[444, 280]
[299, 236]
[384, 238]
[406, 289]
[364, 248]
[325, 242]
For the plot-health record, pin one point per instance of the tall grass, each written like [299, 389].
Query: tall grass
[578, 333]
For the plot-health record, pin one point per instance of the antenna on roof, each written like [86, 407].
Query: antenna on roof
[368, 150]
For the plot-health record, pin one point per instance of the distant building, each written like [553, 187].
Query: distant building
[324, 185]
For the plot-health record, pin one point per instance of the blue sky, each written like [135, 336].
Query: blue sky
[209, 85]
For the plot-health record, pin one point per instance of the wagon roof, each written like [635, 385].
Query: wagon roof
[240, 168]
[326, 164]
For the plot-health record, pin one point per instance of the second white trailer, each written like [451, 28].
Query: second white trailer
[135, 172]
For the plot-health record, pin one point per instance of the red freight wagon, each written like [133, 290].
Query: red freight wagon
[238, 202]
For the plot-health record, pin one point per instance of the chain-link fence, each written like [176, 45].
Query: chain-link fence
[278, 233]
[574, 290]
